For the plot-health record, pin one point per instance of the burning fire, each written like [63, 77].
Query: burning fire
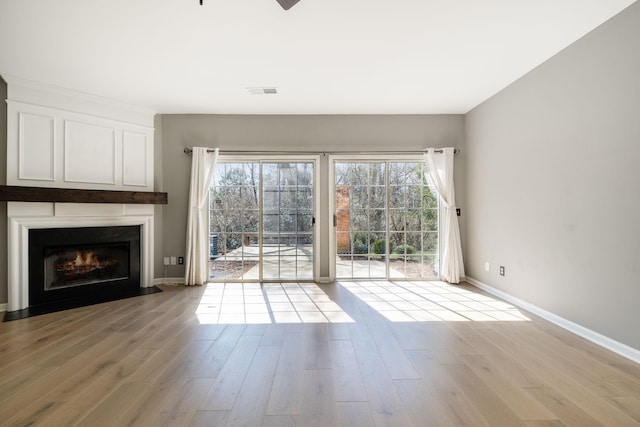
[83, 262]
[86, 259]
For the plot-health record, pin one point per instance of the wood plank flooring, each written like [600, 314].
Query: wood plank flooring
[345, 354]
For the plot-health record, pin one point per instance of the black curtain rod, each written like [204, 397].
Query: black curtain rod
[437, 150]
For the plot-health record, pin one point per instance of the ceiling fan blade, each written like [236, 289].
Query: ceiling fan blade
[287, 4]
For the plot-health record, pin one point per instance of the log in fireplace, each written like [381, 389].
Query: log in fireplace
[89, 264]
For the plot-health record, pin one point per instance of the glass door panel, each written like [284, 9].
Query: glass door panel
[360, 220]
[386, 221]
[288, 221]
[234, 213]
[261, 216]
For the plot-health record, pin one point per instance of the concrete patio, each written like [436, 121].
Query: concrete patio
[295, 263]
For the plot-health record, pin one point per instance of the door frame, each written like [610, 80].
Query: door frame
[262, 158]
[333, 158]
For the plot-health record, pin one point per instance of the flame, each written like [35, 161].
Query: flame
[84, 259]
[83, 262]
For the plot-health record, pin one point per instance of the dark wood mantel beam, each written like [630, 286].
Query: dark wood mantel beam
[11, 193]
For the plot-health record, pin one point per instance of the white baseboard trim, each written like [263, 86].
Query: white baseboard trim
[324, 280]
[586, 333]
[168, 281]
[3, 306]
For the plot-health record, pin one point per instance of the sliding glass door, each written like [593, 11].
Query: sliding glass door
[262, 221]
[287, 221]
[386, 221]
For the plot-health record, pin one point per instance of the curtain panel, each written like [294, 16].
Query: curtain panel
[203, 165]
[440, 173]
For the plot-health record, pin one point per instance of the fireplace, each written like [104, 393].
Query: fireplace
[89, 263]
[76, 225]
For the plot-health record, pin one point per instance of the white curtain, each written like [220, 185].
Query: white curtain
[440, 170]
[203, 165]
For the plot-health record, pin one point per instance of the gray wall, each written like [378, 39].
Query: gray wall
[277, 133]
[553, 166]
[3, 205]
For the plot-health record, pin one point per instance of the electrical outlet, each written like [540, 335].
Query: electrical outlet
[486, 266]
[180, 260]
[173, 260]
[166, 261]
[502, 270]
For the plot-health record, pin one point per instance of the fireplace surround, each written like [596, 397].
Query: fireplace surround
[83, 263]
[27, 218]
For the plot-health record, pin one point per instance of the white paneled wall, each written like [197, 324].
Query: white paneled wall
[36, 135]
[84, 143]
[65, 139]
[135, 146]
[71, 140]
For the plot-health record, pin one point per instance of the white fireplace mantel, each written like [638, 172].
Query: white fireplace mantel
[60, 140]
[25, 216]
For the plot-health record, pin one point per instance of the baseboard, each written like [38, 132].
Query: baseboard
[180, 281]
[168, 281]
[3, 307]
[586, 333]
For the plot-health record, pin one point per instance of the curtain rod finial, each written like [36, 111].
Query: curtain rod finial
[187, 151]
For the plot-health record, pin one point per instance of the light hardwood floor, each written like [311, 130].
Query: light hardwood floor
[352, 354]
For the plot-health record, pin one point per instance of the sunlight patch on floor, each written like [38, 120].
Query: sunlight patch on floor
[415, 301]
[432, 302]
[250, 303]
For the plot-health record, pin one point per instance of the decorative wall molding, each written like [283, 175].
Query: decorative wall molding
[134, 160]
[36, 135]
[586, 333]
[40, 94]
[65, 139]
[89, 153]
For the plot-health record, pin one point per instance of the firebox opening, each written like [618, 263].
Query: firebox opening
[90, 264]
[80, 265]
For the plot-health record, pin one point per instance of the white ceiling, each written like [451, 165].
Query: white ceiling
[323, 56]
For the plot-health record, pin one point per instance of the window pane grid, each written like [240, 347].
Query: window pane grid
[362, 231]
[283, 193]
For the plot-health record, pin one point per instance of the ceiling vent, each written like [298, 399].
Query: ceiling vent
[262, 90]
